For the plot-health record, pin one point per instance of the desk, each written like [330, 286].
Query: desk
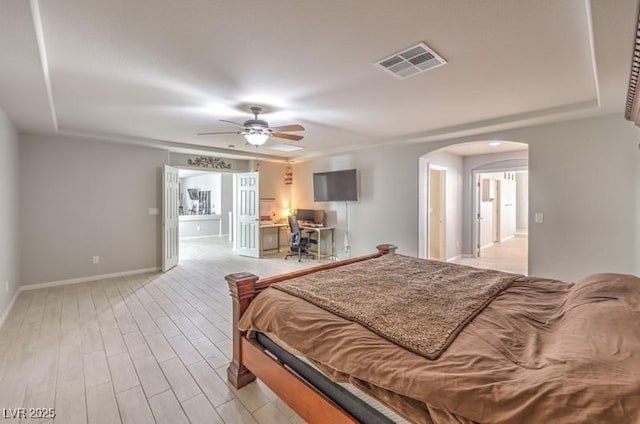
[321, 231]
[261, 235]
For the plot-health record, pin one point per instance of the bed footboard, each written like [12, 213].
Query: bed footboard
[244, 287]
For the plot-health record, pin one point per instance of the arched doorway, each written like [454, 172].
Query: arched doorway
[503, 166]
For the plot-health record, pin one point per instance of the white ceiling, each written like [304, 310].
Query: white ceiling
[474, 148]
[165, 70]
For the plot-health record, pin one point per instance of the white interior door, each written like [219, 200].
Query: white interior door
[248, 195]
[497, 211]
[479, 217]
[170, 223]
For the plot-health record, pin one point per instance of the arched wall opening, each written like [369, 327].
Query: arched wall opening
[462, 164]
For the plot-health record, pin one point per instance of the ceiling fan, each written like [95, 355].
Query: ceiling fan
[257, 131]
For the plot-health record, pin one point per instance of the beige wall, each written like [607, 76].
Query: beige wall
[387, 206]
[9, 245]
[583, 176]
[454, 183]
[227, 200]
[272, 186]
[82, 198]
[272, 182]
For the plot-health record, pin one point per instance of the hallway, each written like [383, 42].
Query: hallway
[508, 256]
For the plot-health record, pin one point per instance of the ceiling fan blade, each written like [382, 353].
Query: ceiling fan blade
[232, 123]
[287, 136]
[214, 133]
[286, 128]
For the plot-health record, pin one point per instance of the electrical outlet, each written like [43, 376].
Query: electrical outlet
[96, 259]
[6, 286]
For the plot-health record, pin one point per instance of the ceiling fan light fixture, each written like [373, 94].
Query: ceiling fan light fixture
[257, 131]
[256, 139]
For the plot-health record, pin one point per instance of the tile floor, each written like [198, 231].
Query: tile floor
[509, 256]
[141, 349]
[150, 348]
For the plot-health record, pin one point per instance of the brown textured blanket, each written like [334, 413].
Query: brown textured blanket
[542, 352]
[420, 305]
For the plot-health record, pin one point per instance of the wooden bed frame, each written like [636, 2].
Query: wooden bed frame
[250, 359]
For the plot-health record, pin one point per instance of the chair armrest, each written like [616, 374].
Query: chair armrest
[294, 239]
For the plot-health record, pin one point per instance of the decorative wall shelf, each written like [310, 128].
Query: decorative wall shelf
[288, 176]
[209, 162]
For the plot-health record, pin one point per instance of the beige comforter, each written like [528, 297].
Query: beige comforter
[542, 352]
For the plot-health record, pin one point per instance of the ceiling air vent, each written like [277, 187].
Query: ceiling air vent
[411, 61]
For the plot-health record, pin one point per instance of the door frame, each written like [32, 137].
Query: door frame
[510, 165]
[202, 169]
[423, 205]
[443, 233]
[497, 211]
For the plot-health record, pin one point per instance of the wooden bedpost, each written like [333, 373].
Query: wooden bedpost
[387, 249]
[243, 290]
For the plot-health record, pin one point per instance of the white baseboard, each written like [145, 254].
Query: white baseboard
[454, 258]
[87, 279]
[487, 245]
[27, 287]
[507, 238]
[9, 306]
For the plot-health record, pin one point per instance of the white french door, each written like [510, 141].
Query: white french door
[248, 196]
[170, 222]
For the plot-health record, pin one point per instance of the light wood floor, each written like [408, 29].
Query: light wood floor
[140, 349]
[509, 256]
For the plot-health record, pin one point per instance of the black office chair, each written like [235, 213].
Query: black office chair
[299, 243]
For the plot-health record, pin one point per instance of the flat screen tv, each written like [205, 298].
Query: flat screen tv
[336, 186]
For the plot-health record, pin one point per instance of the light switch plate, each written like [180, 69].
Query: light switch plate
[154, 211]
[539, 218]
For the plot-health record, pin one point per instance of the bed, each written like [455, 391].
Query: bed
[520, 350]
